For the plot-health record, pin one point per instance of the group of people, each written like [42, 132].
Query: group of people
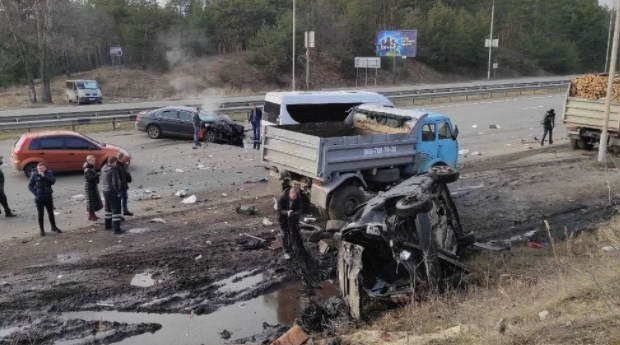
[115, 181]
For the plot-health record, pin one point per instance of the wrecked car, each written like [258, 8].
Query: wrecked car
[177, 122]
[403, 243]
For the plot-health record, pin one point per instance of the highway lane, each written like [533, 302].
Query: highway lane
[213, 101]
[227, 168]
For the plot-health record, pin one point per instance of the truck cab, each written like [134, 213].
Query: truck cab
[437, 144]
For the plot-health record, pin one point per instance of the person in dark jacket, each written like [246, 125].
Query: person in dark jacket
[41, 182]
[197, 123]
[254, 117]
[112, 192]
[125, 177]
[548, 123]
[93, 199]
[3, 200]
[289, 207]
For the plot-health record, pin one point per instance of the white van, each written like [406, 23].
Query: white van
[291, 108]
[83, 91]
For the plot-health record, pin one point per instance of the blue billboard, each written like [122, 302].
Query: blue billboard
[397, 43]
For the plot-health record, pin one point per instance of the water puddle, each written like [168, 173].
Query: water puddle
[241, 281]
[142, 280]
[242, 319]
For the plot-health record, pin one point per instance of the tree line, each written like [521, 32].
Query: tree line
[40, 39]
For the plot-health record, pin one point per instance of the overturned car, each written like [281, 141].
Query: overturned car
[403, 244]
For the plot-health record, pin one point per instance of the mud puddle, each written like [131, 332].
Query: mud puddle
[243, 319]
[241, 281]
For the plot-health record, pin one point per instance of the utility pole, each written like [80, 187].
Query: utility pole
[308, 43]
[293, 83]
[491, 39]
[602, 148]
[611, 17]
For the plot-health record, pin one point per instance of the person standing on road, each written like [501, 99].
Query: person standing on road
[548, 123]
[112, 192]
[40, 185]
[3, 201]
[125, 177]
[289, 207]
[93, 199]
[254, 117]
[197, 123]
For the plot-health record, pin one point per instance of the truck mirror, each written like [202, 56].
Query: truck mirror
[456, 132]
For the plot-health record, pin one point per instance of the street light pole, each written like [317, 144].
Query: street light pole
[611, 17]
[602, 148]
[293, 83]
[491, 40]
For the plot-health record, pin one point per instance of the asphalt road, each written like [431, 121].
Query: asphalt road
[225, 169]
[214, 101]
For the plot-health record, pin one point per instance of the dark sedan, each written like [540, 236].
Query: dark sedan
[177, 122]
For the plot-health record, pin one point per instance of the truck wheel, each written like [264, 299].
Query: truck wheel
[384, 176]
[445, 174]
[412, 205]
[616, 149]
[431, 268]
[574, 143]
[344, 201]
[584, 145]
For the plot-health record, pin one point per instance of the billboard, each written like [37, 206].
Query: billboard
[397, 43]
[116, 51]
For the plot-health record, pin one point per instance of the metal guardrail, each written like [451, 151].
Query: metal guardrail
[73, 119]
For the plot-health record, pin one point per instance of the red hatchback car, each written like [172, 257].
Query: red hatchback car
[60, 151]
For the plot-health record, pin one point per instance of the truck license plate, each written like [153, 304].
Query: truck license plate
[379, 150]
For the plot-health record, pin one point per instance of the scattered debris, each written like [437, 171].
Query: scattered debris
[508, 145]
[495, 126]
[254, 237]
[190, 200]
[181, 193]
[263, 180]
[276, 245]
[246, 209]
[309, 220]
[138, 230]
[224, 194]
[198, 258]
[476, 153]
[225, 334]
[158, 220]
[59, 276]
[528, 147]
[179, 170]
[294, 336]
[267, 222]
[102, 304]
[609, 249]
[543, 315]
[155, 196]
[335, 225]
[534, 245]
[474, 126]
[37, 244]
[326, 245]
[501, 326]
[79, 197]
[463, 152]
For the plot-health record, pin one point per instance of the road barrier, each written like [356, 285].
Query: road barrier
[400, 98]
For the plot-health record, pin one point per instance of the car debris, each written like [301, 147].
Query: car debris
[402, 242]
[190, 200]
[181, 194]
[198, 258]
[267, 222]
[325, 246]
[158, 220]
[78, 198]
[294, 336]
[254, 237]
[463, 152]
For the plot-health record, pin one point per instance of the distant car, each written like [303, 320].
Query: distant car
[60, 151]
[177, 121]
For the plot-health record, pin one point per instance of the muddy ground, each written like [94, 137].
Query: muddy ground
[196, 282]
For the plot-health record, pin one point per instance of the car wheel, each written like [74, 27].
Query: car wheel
[29, 168]
[210, 136]
[412, 205]
[445, 174]
[153, 131]
[345, 201]
[430, 261]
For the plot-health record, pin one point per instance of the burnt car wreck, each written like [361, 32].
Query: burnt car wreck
[222, 129]
[403, 243]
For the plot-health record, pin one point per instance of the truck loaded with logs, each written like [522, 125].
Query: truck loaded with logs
[584, 111]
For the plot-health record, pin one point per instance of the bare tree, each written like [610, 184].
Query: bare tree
[15, 15]
[43, 16]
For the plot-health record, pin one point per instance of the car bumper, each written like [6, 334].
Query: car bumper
[90, 99]
[140, 127]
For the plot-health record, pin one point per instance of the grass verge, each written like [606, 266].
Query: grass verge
[98, 128]
[566, 293]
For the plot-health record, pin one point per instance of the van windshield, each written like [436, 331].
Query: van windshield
[87, 85]
[325, 112]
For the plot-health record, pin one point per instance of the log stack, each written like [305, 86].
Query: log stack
[594, 86]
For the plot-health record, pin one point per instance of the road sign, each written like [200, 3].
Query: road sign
[367, 62]
[495, 65]
[495, 43]
[116, 51]
[309, 39]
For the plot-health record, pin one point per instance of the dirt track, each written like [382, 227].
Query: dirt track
[188, 257]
